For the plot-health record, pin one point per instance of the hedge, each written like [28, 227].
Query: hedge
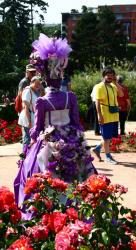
[83, 83]
[8, 113]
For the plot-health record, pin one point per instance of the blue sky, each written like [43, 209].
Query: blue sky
[56, 7]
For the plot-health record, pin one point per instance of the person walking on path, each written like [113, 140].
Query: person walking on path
[30, 72]
[124, 105]
[108, 111]
[96, 123]
[26, 117]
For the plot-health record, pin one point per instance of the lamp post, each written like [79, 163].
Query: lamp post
[127, 40]
[127, 36]
[32, 20]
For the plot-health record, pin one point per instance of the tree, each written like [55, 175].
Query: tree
[84, 9]
[6, 56]
[74, 11]
[32, 6]
[8, 82]
[110, 35]
[84, 41]
[97, 35]
[48, 30]
[18, 14]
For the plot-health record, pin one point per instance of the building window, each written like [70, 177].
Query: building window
[117, 8]
[119, 16]
[74, 18]
[128, 8]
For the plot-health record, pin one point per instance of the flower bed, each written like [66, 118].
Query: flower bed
[10, 132]
[125, 143]
[68, 216]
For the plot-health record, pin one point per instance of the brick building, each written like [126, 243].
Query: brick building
[125, 14]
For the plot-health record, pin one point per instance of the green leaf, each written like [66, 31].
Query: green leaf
[70, 196]
[104, 215]
[124, 210]
[84, 248]
[105, 238]
[93, 232]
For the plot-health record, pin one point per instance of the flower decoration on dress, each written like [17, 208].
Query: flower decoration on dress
[48, 131]
[70, 157]
[36, 61]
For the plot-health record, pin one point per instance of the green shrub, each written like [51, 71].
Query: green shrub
[83, 83]
[131, 83]
[131, 51]
[9, 84]
[83, 109]
[8, 113]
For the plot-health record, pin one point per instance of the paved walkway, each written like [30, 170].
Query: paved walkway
[124, 173]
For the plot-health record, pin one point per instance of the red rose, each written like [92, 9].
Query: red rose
[82, 227]
[31, 185]
[45, 218]
[62, 241]
[15, 217]
[38, 232]
[8, 198]
[48, 204]
[133, 245]
[22, 243]
[59, 184]
[56, 221]
[72, 213]
[95, 183]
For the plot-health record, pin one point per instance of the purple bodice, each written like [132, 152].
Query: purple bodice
[58, 99]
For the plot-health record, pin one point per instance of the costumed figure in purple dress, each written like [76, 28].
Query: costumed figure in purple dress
[57, 140]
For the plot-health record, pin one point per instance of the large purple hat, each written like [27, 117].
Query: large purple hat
[53, 53]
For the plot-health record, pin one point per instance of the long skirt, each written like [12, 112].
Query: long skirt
[65, 153]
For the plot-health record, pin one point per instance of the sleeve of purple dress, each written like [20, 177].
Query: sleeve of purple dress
[74, 111]
[39, 119]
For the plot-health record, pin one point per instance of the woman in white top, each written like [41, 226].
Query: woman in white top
[26, 117]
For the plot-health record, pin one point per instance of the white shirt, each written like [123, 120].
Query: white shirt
[93, 94]
[29, 96]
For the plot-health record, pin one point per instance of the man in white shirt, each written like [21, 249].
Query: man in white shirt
[26, 117]
[96, 123]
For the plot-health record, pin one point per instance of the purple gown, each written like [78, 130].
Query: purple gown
[68, 136]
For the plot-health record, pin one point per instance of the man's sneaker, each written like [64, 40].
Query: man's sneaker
[112, 157]
[97, 153]
[111, 160]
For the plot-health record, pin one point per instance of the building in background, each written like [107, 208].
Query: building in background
[126, 14]
[69, 22]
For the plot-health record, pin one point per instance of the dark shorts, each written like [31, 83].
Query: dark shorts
[109, 130]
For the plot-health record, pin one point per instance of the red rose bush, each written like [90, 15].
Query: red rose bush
[125, 143]
[10, 217]
[82, 216]
[10, 132]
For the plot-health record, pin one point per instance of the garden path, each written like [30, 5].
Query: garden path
[124, 173]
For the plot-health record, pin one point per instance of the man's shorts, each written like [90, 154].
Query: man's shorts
[109, 130]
